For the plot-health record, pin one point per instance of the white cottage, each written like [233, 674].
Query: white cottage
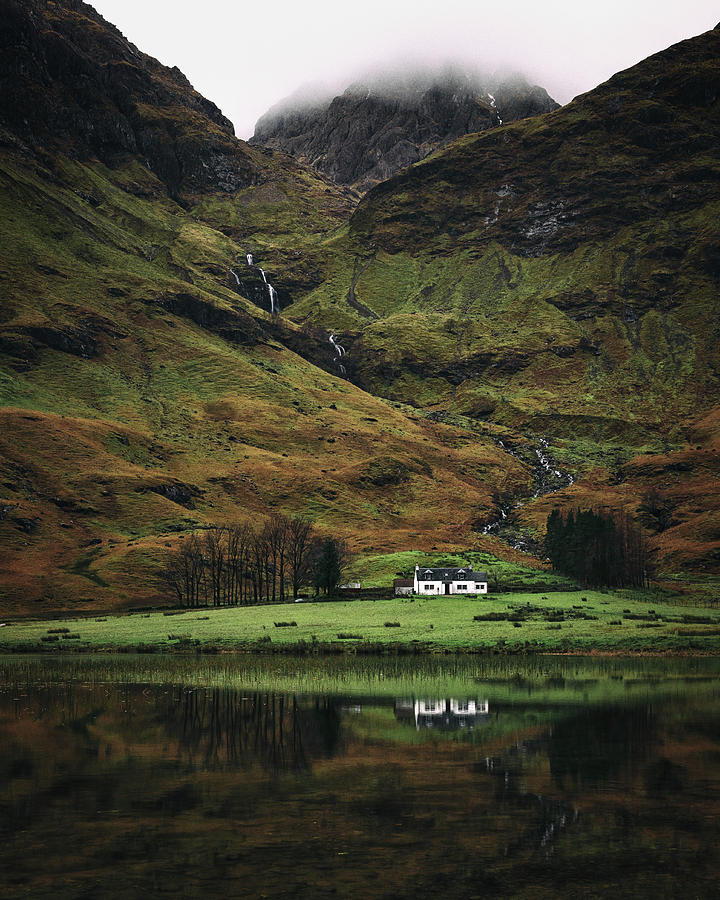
[449, 580]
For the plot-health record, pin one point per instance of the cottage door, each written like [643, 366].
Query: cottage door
[447, 587]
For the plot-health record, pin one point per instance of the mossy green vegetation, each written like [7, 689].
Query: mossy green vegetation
[544, 281]
[557, 277]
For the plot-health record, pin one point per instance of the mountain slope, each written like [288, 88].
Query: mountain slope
[381, 124]
[145, 389]
[560, 275]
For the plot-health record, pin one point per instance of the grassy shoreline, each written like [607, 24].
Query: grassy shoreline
[560, 622]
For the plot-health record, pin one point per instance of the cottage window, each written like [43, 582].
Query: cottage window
[461, 587]
[427, 587]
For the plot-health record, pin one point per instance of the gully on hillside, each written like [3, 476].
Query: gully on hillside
[548, 478]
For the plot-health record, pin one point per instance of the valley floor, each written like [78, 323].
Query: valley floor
[580, 621]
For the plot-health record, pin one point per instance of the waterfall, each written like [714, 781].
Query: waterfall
[234, 273]
[338, 348]
[274, 300]
[274, 304]
[545, 466]
[339, 353]
[494, 106]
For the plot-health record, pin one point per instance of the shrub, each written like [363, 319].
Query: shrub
[346, 636]
[392, 624]
[285, 624]
[58, 631]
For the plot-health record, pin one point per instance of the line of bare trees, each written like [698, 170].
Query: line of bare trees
[231, 565]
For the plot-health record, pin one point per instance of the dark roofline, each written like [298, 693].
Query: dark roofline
[450, 573]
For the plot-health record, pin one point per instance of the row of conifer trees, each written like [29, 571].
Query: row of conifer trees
[597, 548]
[231, 565]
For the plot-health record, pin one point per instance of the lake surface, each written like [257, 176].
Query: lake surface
[366, 778]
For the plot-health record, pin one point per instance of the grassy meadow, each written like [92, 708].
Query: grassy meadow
[582, 621]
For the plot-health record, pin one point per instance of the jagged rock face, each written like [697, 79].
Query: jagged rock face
[69, 80]
[375, 128]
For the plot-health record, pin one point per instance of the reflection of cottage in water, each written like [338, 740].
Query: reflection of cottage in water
[447, 715]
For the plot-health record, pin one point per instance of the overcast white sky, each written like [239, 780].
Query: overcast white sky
[246, 56]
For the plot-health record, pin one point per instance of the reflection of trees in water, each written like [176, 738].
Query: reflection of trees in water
[588, 749]
[548, 816]
[596, 744]
[221, 727]
[213, 727]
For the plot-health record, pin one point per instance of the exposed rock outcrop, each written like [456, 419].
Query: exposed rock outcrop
[380, 125]
[70, 80]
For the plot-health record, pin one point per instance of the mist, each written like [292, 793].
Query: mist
[247, 59]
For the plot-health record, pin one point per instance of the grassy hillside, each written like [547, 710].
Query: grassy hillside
[143, 397]
[144, 393]
[559, 277]
[498, 348]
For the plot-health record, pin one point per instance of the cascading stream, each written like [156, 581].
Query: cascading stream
[548, 480]
[339, 353]
[274, 299]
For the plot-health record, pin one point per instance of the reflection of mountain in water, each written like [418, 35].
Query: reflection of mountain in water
[444, 715]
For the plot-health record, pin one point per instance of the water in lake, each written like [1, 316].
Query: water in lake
[363, 778]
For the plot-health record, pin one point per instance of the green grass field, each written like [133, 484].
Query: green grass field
[614, 621]
[379, 569]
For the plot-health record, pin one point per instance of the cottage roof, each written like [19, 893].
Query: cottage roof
[403, 582]
[450, 573]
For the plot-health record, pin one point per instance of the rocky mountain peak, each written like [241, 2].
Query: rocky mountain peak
[383, 122]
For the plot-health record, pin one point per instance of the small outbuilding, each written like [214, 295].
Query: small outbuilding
[403, 586]
[449, 580]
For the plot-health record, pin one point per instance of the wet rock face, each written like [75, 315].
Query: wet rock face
[377, 128]
[70, 80]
